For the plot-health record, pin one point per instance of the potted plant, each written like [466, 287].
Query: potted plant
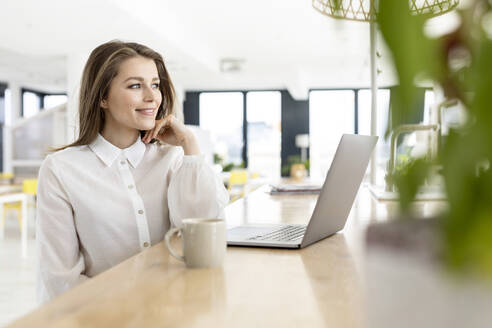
[296, 168]
[438, 272]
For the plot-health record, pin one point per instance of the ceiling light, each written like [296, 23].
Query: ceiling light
[231, 65]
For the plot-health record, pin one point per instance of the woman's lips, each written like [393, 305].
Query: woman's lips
[146, 111]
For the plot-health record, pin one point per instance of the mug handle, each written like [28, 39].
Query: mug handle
[168, 245]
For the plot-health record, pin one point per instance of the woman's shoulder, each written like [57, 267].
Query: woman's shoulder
[67, 154]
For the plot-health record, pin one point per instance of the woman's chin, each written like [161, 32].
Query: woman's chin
[145, 126]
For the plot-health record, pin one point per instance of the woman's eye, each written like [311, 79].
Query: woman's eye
[155, 85]
[134, 86]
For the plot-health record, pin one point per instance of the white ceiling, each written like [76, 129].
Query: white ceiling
[283, 44]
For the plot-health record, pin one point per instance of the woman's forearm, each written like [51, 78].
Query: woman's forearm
[190, 145]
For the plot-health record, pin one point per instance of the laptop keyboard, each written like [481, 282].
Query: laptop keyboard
[287, 233]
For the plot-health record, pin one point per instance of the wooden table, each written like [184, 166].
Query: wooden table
[319, 286]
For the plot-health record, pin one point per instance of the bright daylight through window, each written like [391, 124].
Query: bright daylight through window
[264, 132]
[382, 147]
[54, 100]
[221, 113]
[331, 114]
[31, 104]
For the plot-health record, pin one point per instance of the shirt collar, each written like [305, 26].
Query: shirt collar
[108, 152]
[135, 152]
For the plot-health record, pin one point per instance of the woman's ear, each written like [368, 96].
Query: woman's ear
[104, 104]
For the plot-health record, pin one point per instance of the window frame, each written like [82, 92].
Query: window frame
[40, 95]
[244, 151]
[356, 100]
[245, 106]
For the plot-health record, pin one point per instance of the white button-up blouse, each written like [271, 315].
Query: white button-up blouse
[99, 205]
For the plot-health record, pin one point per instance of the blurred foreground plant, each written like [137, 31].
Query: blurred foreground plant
[461, 64]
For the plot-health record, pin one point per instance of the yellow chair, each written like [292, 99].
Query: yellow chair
[29, 186]
[237, 185]
[6, 177]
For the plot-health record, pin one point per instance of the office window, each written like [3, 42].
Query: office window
[51, 101]
[31, 104]
[264, 132]
[365, 111]
[331, 114]
[4, 102]
[221, 113]
[383, 147]
[2, 106]
[35, 101]
[8, 106]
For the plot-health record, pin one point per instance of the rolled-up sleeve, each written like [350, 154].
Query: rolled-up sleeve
[60, 262]
[195, 190]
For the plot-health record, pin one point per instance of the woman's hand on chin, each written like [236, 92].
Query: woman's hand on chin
[171, 131]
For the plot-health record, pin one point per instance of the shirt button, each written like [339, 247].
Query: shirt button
[130, 186]
[140, 211]
[122, 162]
[145, 244]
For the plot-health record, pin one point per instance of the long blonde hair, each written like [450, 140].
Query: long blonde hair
[101, 67]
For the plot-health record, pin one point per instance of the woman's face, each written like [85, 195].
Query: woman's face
[134, 96]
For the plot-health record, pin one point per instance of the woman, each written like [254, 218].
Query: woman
[115, 191]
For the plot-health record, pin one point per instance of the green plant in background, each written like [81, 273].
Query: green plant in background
[230, 166]
[461, 63]
[227, 167]
[408, 177]
[291, 160]
[218, 159]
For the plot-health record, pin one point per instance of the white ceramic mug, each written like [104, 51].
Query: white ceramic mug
[204, 242]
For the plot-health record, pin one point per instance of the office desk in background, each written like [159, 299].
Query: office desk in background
[318, 286]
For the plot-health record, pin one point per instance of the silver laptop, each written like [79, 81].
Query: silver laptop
[332, 207]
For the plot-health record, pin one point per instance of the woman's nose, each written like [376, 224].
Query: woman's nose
[148, 94]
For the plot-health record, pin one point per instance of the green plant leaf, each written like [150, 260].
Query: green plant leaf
[413, 54]
[481, 104]
[408, 181]
[468, 223]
